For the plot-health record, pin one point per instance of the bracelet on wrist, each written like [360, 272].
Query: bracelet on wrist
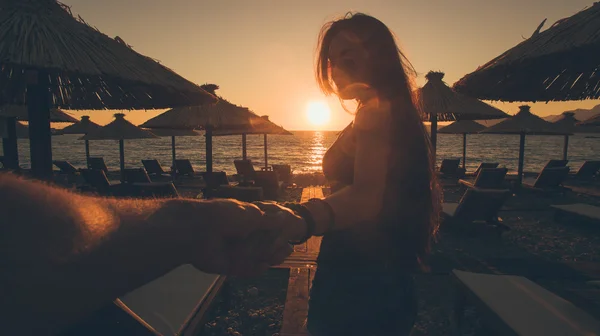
[303, 212]
[330, 212]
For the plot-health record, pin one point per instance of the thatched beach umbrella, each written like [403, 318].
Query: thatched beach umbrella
[170, 132]
[84, 126]
[222, 115]
[438, 102]
[559, 63]
[463, 127]
[265, 128]
[524, 123]
[12, 113]
[49, 58]
[119, 129]
[567, 122]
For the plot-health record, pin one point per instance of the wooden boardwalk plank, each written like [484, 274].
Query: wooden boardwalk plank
[296, 302]
[302, 264]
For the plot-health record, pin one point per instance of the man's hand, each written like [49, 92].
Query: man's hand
[237, 239]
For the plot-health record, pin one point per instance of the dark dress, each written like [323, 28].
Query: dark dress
[358, 289]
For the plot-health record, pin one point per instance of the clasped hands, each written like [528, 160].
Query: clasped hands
[238, 238]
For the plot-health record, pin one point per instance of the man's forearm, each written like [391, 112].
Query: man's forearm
[65, 255]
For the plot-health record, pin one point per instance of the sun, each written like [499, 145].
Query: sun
[318, 113]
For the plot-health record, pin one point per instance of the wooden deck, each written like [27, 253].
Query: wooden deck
[302, 265]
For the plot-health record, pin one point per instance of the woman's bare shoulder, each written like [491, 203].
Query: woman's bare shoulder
[374, 116]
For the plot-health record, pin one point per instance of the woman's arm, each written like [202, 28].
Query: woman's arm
[363, 200]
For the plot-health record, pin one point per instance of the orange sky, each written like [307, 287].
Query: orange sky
[261, 52]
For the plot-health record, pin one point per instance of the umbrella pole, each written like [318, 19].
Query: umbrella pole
[173, 154]
[40, 135]
[464, 150]
[122, 158]
[566, 148]
[87, 153]
[10, 145]
[433, 118]
[209, 150]
[521, 159]
[244, 148]
[266, 156]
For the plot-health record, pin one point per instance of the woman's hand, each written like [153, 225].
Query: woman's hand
[236, 238]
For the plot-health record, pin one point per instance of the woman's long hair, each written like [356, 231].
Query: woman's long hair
[412, 202]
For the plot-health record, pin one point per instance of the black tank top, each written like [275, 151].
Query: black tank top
[365, 245]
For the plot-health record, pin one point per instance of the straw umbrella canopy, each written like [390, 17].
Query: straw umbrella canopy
[463, 127]
[84, 126]
[222, 115]
[50, 58]
[265, 128]
[567, 122]
[438, 102]
[173, 133]
[559, 64]
[119, 129]
[19, 112]
[525, 123]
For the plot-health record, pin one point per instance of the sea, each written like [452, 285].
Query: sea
[304, 150]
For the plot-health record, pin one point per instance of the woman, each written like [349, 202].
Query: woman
[383, 211]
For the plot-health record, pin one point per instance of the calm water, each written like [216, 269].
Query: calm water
[304, 150]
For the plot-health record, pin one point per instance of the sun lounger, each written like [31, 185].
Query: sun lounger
[284, 173]
[476, 205]
[97, 163]
[514, 305]
[556, 164]
[488, 178]
[451, 168]
[65, 167]
[135, 175]
[549, 180]
[176, 303]
[267, 179]
[154, 168]
[153, 190]
[587, 171]
[581, 210]
[97, 179]
[482, 166]
[245, 169]
[184, 167]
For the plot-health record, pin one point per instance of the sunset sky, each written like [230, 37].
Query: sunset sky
[261, 52]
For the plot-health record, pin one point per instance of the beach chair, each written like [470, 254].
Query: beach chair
[556, 164]
[270, 183]
[65, 167]
[245, 169]
[476, 205]
[488, 178]
[284, 173]
[184, 167]
[587, 171]
[153, 190]
[578, 210]
[484, 165]
[135, 175]
[549, 180]
[154, 168]
[97, 163]
[97, 179]
[451, 168]
[515, 305]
